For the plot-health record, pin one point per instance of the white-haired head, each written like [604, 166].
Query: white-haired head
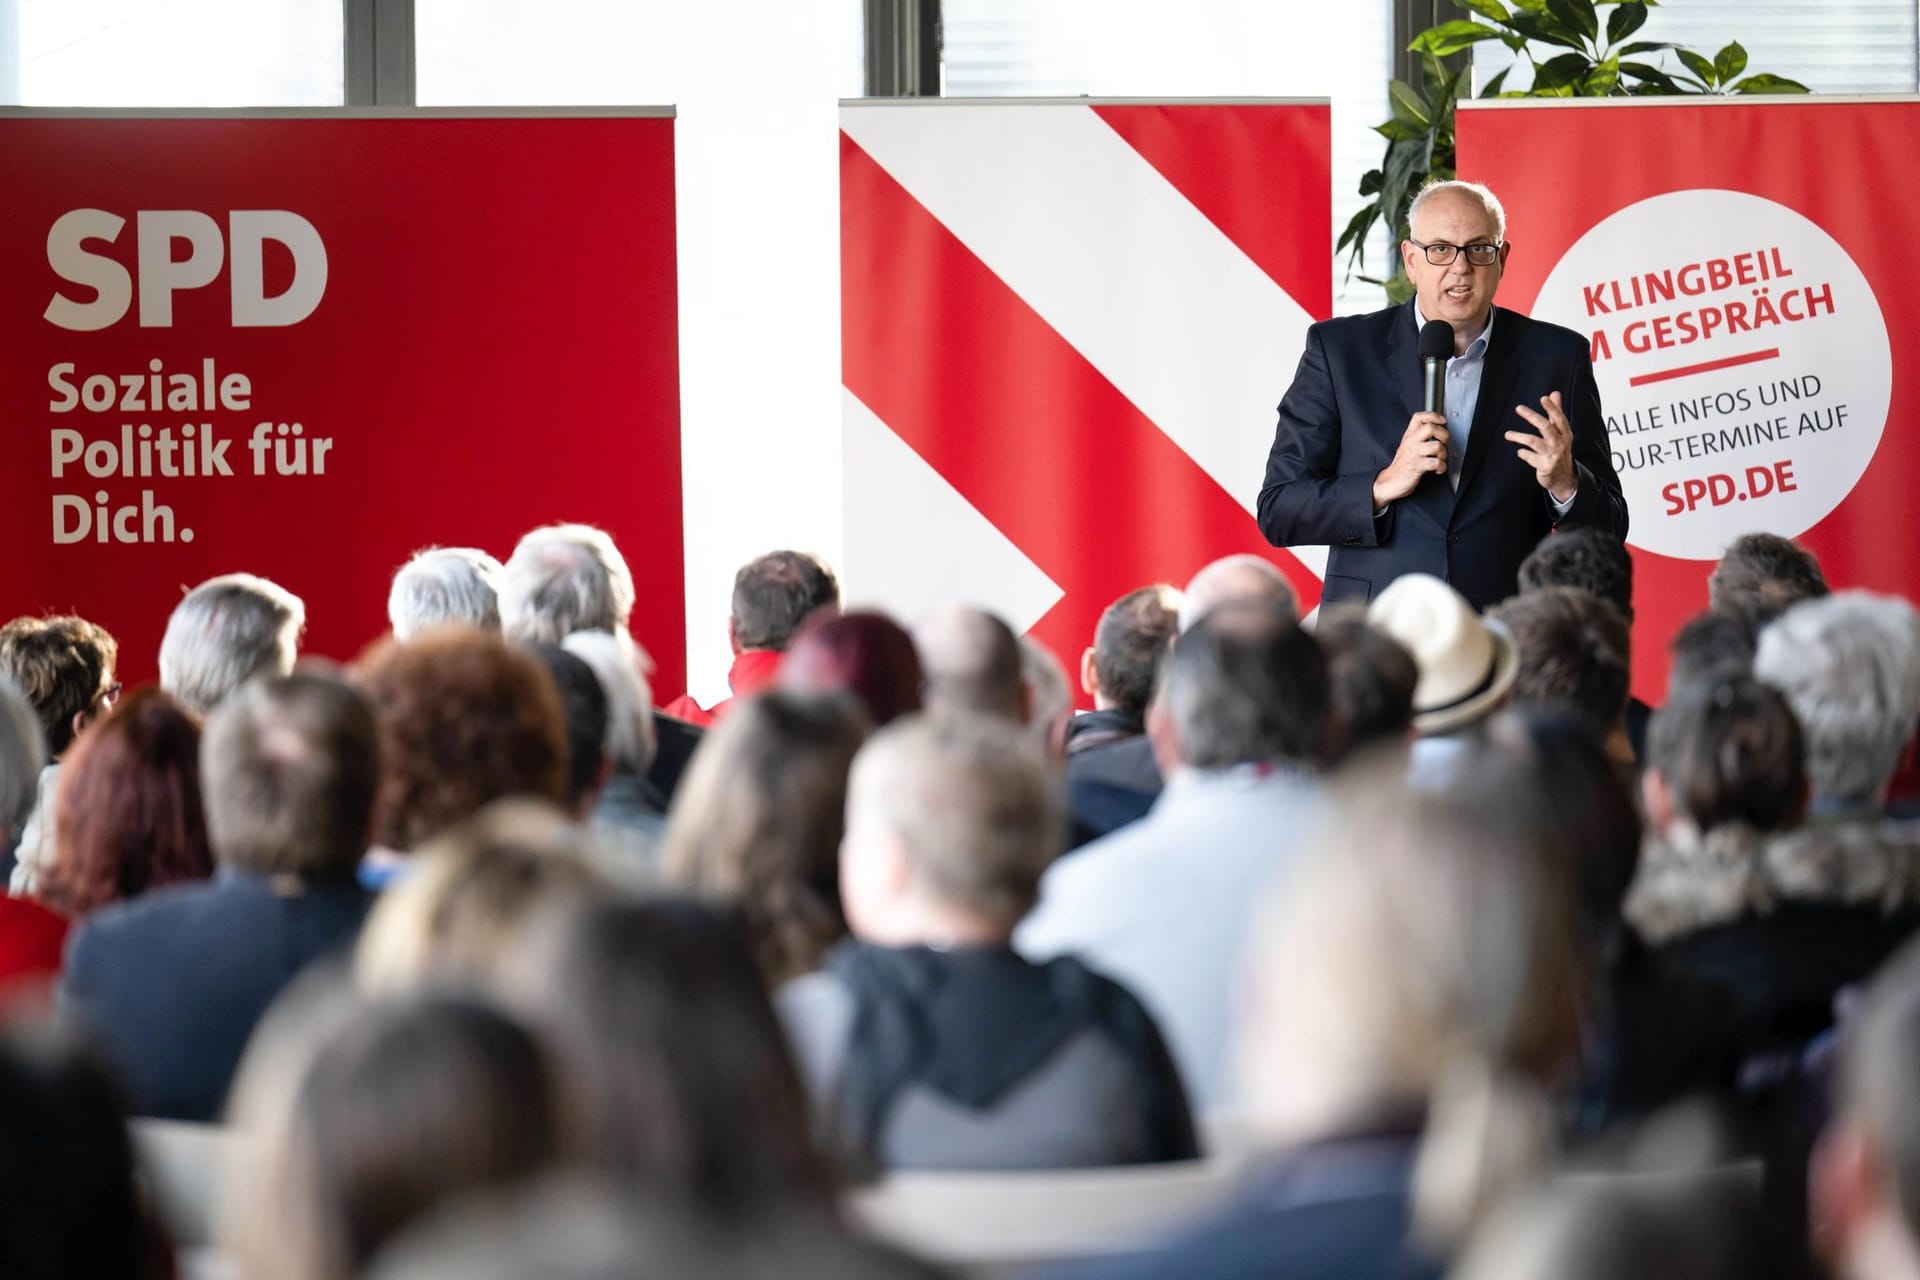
[563, 578]
[226, 631]
[621, 667]
[442, 585]
[1238, 577]
[1477, 192]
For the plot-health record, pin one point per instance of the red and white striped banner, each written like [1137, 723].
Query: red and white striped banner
[1065, 329]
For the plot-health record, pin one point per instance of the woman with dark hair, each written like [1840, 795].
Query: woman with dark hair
[866, 654]
[759, 819]
[675, 1059]
[128, 815]
[355, 1120]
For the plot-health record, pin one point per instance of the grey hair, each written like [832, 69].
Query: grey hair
[1236, 577]
[621, 667]
[563, 578]
[23, 752]
[445, 584]
[1049, 699]
[1849, 665]
[1478, 192]
[226, 631]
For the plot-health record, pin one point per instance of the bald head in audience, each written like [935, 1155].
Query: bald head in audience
[1241, 577]
[972, 662]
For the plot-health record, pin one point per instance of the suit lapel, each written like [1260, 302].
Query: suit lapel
[1493, 413]
[1402, 356]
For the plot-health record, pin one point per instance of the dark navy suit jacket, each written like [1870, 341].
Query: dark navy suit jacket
[172, 982]
[1343, 417]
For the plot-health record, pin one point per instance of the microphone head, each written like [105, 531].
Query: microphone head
[1436, 339]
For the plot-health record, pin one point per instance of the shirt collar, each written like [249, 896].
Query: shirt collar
[1476, 348]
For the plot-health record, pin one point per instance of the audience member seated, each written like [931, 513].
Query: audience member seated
[1370, 678]
[927, 1043]
[1728, 888]
[477, 893]
[1762, 575]
[1593, 560]
[866, 654]
[760, 819]
[584, 713]
[354, 1120]
[225, 632]
[31, 937]
[1406, 1009]
[772, 596]
[1235, 578]
[972, 663]
[682, 1081]
[1710, 648]
[173, 982]
[465, 718]
[1118, 668]
[1575, 657]
[128, 816]
[1163, 905]
[1865, 1175]
[1049, 700]
[65, 665]
[563, 578]
[67, 1175]
[443, 585]
[630, 813]
[1468, 665]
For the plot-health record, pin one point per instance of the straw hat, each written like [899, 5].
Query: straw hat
[1467, 663]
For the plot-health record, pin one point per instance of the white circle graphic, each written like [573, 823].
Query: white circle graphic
[1743, 364]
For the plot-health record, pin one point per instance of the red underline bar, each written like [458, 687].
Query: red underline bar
[1752, 357]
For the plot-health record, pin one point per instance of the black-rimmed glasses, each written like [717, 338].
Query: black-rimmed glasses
[1479, 254]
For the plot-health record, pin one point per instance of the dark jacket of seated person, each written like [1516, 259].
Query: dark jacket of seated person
[172, 983]
[925, 1041]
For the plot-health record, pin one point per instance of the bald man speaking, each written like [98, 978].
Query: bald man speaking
[1518, 448]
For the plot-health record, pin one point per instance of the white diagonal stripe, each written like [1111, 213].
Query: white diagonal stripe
[1109, 253]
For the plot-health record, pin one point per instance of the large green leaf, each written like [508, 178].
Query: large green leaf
[1624, 21]
[1370, 183]
[1576, 15]
[1356, 230]
[1646, 46]
[1530, 6]
[1536, 27]
[1650, 75]
[1398, 130]
[1558, 73]
[1602, 80]
[1701, 68]
[1451, 37]
[1730, 62]
[1493, 86]
[1769, 84]
[1409, 105]
[1492, 9]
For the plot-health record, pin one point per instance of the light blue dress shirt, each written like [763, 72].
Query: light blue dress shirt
[1463, 397]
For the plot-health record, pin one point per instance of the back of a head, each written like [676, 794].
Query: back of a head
[759, 817]
[1879, 1064]
[1730, 753]
[356, 1119]
[1709, 648]
[461, 916]
[1129, 642]
[972, 663]
[465, 718]
[223, 633]
[1049, 699]
[621, 665]
[66, 1167]
[442, 585]
[1237, 578]
[1371, 678]
[866, 654]
[673, 1051]
[64, 665]
[584, 712]
[972, 804]
[1591, 559]
[563, 578]
[291, 767]
[1617, 1227]
[1247, 685]
[774, 594]
[129, 815]
[23, 752]
[1763, 575]
[1575, 654]
[1849, 665]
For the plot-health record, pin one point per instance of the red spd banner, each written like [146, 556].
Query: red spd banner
[1066, 326]
[306, 346]
[1742, 284]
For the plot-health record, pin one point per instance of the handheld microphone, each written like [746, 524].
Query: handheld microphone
[1436, 348]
